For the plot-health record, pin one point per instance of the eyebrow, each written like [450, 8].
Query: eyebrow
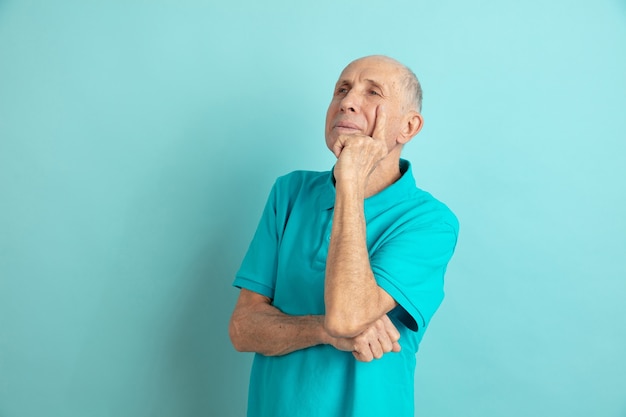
[369, 80]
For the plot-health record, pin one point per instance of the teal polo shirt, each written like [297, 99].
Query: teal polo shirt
[410, 238]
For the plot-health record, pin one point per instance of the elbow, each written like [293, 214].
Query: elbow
[342, 326]
[235, 335]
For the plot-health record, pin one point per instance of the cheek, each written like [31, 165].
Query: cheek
[333, 107]
[370, 116]
[328, 117]
[331, 115]
[328, 124]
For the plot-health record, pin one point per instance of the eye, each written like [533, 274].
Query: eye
[342, 90]
[374, 93]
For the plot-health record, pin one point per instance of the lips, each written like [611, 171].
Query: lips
[347, 125]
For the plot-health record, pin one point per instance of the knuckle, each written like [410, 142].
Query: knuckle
[362, 345]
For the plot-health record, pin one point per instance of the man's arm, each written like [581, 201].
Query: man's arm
[257, 326]
[352, 296]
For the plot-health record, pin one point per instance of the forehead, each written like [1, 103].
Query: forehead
[380, 71]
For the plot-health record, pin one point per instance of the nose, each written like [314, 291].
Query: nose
[349, 103]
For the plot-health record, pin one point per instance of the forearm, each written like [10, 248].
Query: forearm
[264, 329]
[352, 296]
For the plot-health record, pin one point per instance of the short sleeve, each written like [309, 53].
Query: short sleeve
[410, 267]
[258, 269]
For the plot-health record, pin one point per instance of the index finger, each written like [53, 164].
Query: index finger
[391, 330]
[379, 127]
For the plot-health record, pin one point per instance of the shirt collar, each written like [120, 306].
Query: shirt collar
[397, 191]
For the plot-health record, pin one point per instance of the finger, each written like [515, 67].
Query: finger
[363, 346]
[382, 336]
[396, 347]
[376, 349]
[364, 356]
[385, 343]
[338, 146]
[391, 330]
[341, 143]
[360, 357]
[379, 127]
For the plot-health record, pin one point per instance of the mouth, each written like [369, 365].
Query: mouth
[347, 126]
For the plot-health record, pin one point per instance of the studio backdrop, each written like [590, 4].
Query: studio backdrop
[139, 141]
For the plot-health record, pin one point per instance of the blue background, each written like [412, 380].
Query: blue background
[139, 140]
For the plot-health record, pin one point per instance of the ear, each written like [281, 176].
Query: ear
[412, 124]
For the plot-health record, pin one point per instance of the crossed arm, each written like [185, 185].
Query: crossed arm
[257, 326]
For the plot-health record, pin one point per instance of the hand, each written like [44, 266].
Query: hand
[378, 339]
[358, 154]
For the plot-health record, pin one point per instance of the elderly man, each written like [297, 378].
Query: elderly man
[346, 267]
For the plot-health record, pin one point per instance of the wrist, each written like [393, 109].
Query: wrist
[350, 189]
[323, 336]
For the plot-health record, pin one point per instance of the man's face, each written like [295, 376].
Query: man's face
[366, 87]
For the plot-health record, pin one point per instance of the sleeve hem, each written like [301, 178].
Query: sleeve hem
[414, 319]
[248, 284]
